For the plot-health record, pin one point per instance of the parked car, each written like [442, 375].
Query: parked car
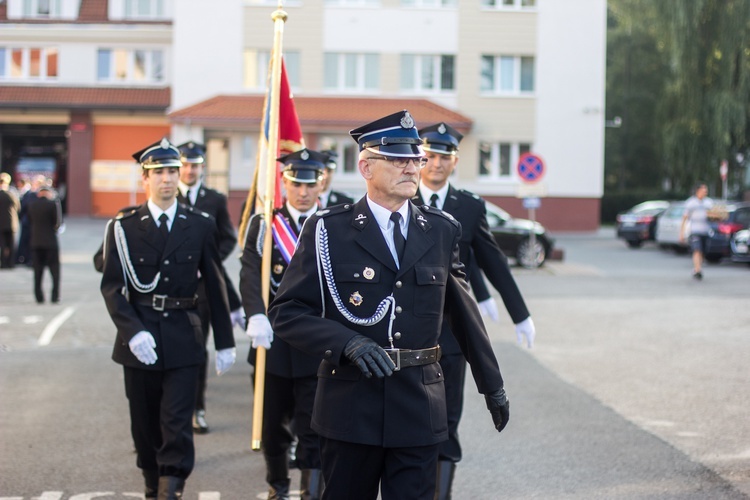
[513, 237]
[638, 224]
[739, 246]
[720, 235]
[668, 226]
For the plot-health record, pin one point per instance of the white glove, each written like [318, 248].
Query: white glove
[526, 329]
[259, 329]
[238, 318]
[489, 308]
[225, 359]
[142, 346]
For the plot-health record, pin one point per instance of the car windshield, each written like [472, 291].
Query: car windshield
[496, 215]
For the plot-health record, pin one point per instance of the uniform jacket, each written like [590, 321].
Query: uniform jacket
[337, 198]
[9, 208]
[282, 359]
[408, 408]
[479, 247]
[45, 217]
[190, 248]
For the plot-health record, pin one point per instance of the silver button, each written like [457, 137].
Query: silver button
[166, 262]
[356, 275]
[399, 284]
[166, 279]
[398, 309]
[397, 335]
[333, 372]
[166, 314]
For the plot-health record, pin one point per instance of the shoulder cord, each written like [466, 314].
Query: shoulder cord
[259, 248]
[128, 271]
[324, 262]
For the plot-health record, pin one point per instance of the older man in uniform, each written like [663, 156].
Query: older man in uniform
[152, 257]
[477, 248]
[329, 197]
[366, 292]
[193, 193]
[290, 373]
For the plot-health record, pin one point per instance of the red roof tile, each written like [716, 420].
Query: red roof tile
[334, 112]
[85, 97]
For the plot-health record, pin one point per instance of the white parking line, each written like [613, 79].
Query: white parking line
[209, 495]
[51, 329]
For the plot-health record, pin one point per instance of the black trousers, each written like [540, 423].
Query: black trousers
[204, 312]
[161, 410]
[287, 412]
[49, 258]
[352, 470]
[454, 376]
[7, 248]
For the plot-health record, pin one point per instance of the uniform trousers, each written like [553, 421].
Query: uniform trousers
[161, 410]
[204, 312]
[287, 412]
[353, 470]
[50, 258]
[7, 249]
[454, 373]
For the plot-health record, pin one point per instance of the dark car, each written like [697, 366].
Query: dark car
[513, 236]
[739, 246]
[720, 235]
[638, 224]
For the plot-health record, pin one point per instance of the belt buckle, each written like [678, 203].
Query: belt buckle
[397, 361]
[158, 302]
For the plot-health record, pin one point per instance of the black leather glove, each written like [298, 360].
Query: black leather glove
[369, 357]
[499, 406]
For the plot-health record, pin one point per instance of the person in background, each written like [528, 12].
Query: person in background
[328, 197]
[23, 254]
[290, 377]
[478, 250]
[152, 257]
[45, 218]
[9, 208]
[193, 193]
[366, 292]
[696, 211]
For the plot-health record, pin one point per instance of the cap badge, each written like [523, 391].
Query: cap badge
[304, 155]
[164, 144]
[407, 121]
[278, 269]
[368, 273]
[356, 299]
[442, 128]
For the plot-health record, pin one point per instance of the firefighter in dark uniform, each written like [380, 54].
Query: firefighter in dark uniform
[366, 292]
[329, 197]
[193, 193]
[477, 247]
[152, 257]
[290, 377]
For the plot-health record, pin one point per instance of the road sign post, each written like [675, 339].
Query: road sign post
[530, 170]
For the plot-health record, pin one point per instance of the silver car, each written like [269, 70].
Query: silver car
[668, 227]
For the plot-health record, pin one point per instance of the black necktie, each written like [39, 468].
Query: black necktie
[302, 219]
[189, 198]
[164, 226]
[398, 237]
[433, 200]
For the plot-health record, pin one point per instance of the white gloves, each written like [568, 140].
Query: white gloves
[488, 308]
[259, 329]
[142, 346]
[526, 329]
[238, 317]
[225, 359]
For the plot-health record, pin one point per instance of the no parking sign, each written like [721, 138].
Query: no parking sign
[530, 167]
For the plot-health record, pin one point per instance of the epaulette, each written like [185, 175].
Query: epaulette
[336, 209]
[471, 195]
[195, 211]
[436, 211]
[127, 212]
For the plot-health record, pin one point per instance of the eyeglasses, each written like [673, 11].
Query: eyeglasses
[401, 163]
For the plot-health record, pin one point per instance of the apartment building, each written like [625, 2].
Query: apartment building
[514, 76]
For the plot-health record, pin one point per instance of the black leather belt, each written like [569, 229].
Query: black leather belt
[161, 302]
[404, 358]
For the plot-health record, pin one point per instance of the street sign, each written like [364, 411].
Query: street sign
[532, 202]
[530, 167]
[723, 170]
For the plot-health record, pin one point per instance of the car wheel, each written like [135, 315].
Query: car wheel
[634, 243]
[529, 257]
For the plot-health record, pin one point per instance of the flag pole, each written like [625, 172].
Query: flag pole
[279, 18]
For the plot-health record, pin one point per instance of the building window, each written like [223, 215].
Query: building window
[44, 9]
[130, 66]
[429, 3]
[256, 67]
[29, 63]
[351, 72]
[509, 4]
[498, 160]
[507, 75]
[144, 9]
[427, 73]
[348, 154]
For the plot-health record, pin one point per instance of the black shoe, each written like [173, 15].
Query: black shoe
[199, 422]
[698, 275]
